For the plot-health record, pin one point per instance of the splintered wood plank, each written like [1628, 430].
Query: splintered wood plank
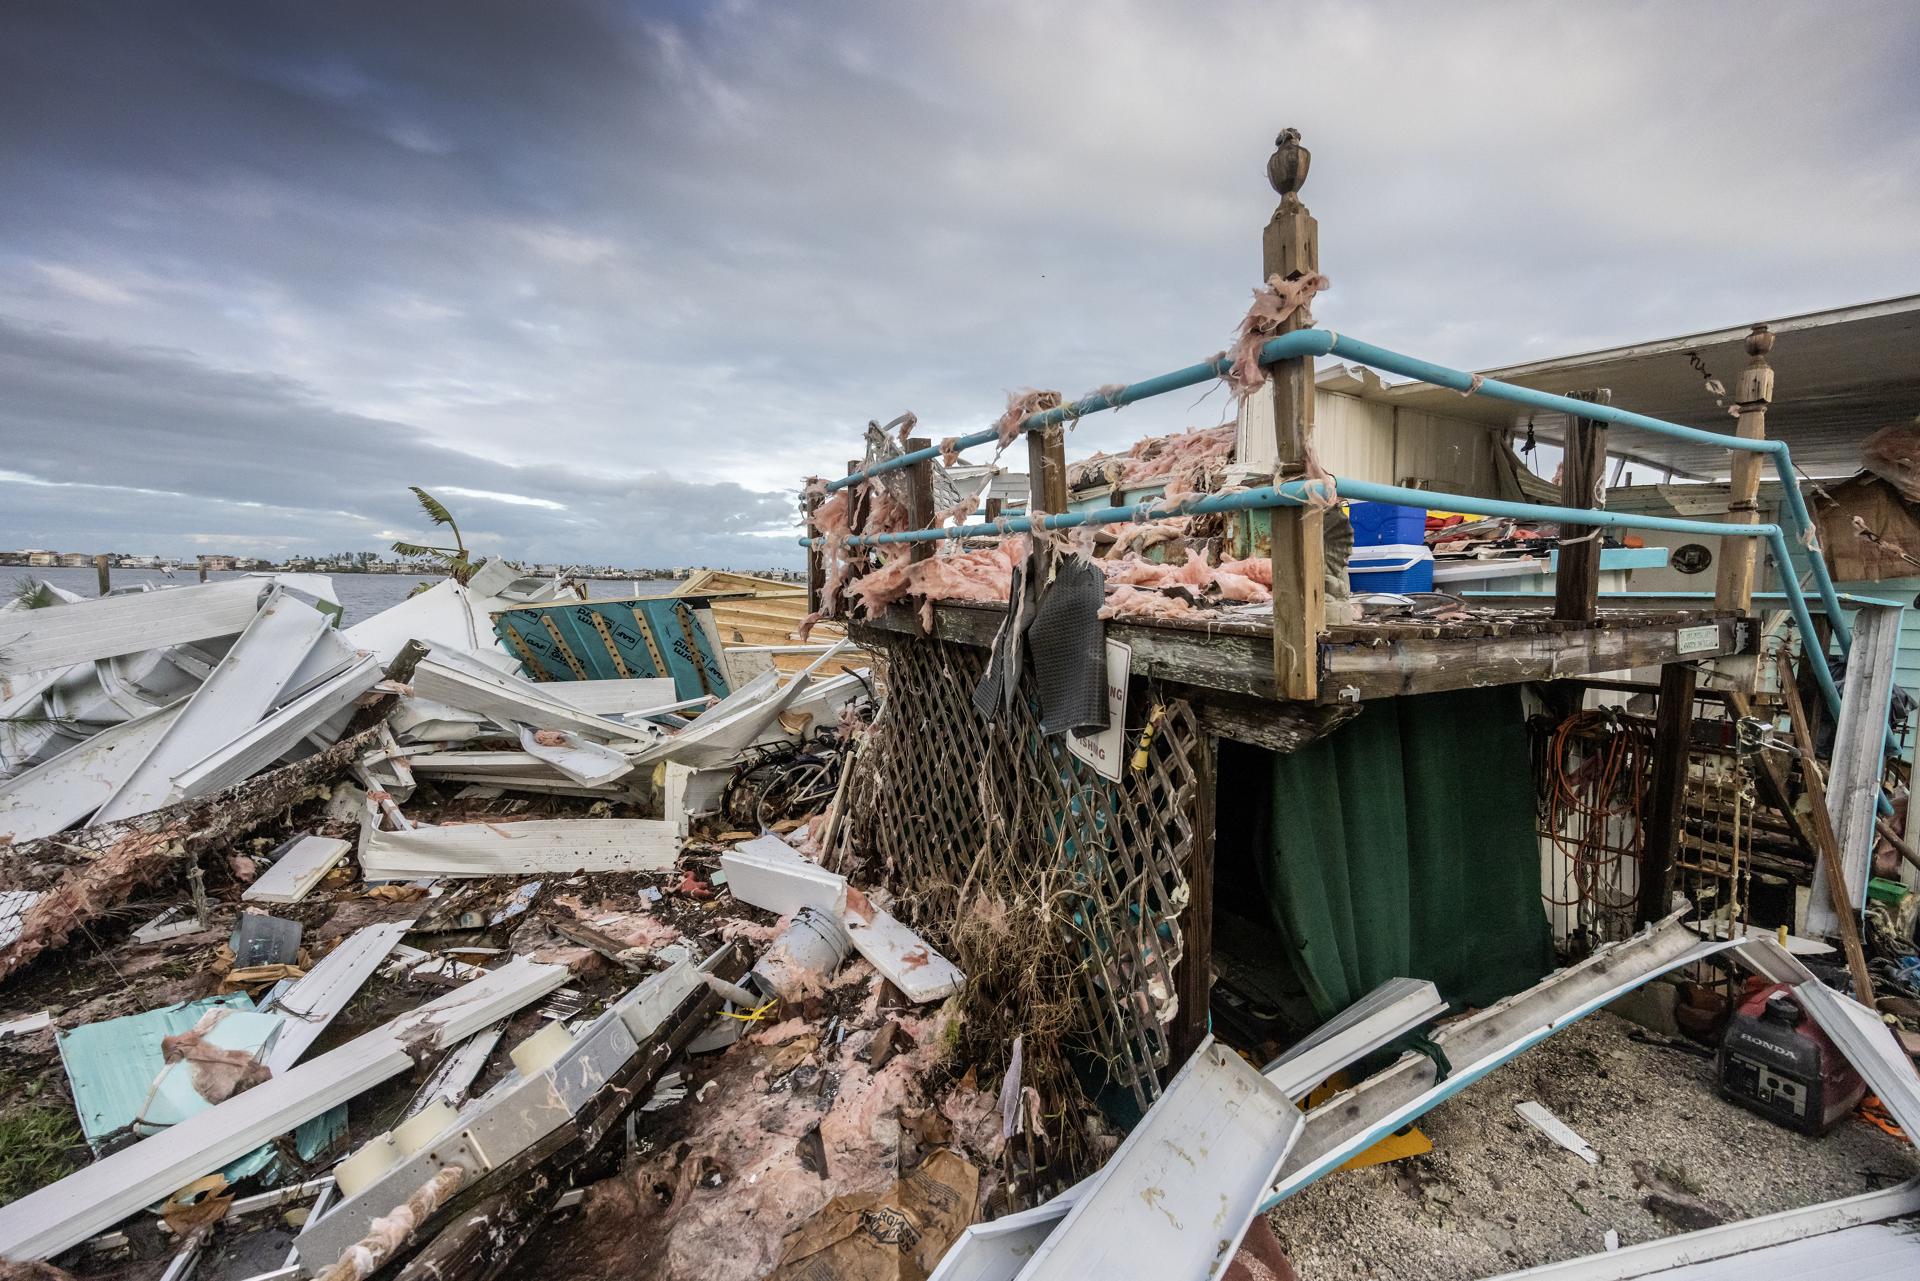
[521, 849]
[306, 862]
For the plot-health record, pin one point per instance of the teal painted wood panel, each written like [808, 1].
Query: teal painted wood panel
[648, 636]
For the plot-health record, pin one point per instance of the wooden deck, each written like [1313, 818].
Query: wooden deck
[1498, 646]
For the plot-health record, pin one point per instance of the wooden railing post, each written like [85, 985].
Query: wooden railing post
[816, 555]
[1583, 471]
[920, 499]
[100, 569]
[1290, 250]
[1733, 589]
[1046, 485]
[1673, 730]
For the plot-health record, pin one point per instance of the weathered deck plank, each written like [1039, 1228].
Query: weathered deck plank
[1364, 661]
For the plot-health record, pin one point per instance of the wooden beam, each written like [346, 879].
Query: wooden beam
[1047, 469]
[816, 556]
[1299, 600]
[1583, 477]
[1773, 782]
[1673, 730]
[920, 498]
[1290, 249]
[1278, 727]
[1859, 759]
[1733, 588]
[1238, 659]
[1826, 843]
[1355, 672]
[1194, 979]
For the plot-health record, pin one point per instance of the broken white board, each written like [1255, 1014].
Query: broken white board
[1176, 1198]
[463, 682]
[559, 846]
[454, 1077]
[446, 616]
[32, 640]
[906, 960]
[614, 697]
[739, 720]
[41, 1022]
[1868, 1237]
[267, 740]
[68, 1211]
[1537, 1116]
[1391, 1010]
[303, 863]
[520, 1110]
[586, 762]
[312, 1002]
[61, 791]
[770, 874]
[331, 654]
[1106, 750]
[247, 682]
[1859, 745]
[687, 792]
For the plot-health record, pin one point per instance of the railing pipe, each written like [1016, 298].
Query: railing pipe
[1295, 493]
[1323, 342]
[1307, 342]
[1799, 522]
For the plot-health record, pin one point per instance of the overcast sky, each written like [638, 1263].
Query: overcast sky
[611, 278]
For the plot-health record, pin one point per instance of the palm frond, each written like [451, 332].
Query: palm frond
[432, 506]
[421, 549]
[30, 593]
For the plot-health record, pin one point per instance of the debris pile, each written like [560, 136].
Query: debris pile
[502, 952]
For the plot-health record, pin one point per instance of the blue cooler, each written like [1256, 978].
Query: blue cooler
[1386, 524]
[1397, 567]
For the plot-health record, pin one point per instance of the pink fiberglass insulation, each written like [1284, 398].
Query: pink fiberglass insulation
[1134, 603]
[984, 575]
[1020, 405]
[1187, 462]
[1146, 535]
[1230, 581]
[1273, 303]
[716, 1204]
[1258, 568]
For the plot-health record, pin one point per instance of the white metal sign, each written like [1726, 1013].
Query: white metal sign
[1694, 640]
[1106, 751]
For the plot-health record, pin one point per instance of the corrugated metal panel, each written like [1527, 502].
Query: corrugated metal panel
[1376, 441]
[1353, 437]
[1434, 451]
[1839, 375]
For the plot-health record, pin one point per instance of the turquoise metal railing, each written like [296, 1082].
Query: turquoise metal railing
[1325, 342]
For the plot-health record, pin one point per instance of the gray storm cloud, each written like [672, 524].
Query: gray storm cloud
[648, 265]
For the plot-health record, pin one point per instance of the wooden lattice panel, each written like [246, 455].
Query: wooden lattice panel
[947, 800]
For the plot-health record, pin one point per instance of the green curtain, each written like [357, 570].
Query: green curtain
[1403, 844]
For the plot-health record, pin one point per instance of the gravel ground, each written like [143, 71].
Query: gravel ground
[1495, 1195]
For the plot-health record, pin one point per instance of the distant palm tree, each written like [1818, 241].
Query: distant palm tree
[454, 558]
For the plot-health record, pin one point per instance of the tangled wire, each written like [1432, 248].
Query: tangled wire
[1592, 776]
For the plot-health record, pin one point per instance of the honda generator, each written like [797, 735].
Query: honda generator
[1776, 1061]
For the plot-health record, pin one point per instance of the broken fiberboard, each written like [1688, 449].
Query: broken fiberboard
[520, 849]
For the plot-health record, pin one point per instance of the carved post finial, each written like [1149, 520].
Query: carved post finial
[1759, 342]
[1287, 166]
